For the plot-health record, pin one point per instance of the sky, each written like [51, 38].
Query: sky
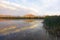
[36, 7]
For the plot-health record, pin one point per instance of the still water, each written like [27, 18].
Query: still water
[24, 30]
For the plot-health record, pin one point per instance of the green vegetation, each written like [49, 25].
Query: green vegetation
[52, 24]
[35, 17]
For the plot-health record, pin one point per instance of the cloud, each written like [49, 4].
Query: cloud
[50, 7]
[17, 5]
[14, 9]
[40, 7]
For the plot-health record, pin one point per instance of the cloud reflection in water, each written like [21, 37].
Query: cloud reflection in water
[14, 29]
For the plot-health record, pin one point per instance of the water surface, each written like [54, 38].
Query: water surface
[23, 30]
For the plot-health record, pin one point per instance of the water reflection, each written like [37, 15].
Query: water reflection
[23, 30]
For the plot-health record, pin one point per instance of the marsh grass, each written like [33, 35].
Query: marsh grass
[52, 25]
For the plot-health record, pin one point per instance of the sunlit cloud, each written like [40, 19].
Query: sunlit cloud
[6, 6]
[17, 6]
[41, 7]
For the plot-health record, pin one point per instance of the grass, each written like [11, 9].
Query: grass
[52, 24]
